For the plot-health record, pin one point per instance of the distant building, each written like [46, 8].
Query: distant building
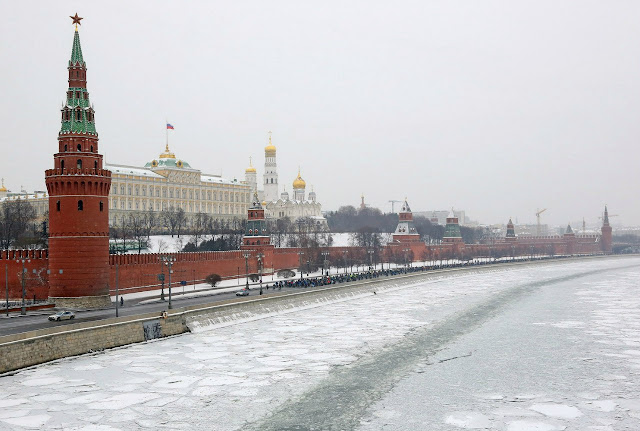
[440, 217]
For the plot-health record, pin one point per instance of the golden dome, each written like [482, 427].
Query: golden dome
[299, 183]
[250, 169]
[3, 188]
[167, 154]
[270, 150]
[264, 203]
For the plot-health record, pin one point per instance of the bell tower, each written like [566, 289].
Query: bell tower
[78, 189]
[270, 172]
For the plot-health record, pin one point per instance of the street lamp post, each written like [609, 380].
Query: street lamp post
[300, 253]
[23, 308]
[246, 255]
[406, 252]
[6, 284]
[370, 251]
[260, 256]
[169, 261]
[344, 258]
[324, 264]
[117, 288]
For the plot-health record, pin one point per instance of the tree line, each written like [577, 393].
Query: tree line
[18, 226]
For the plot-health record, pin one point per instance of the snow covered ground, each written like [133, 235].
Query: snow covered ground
[542, 347]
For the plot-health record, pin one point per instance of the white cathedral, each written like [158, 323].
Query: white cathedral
[299, 206]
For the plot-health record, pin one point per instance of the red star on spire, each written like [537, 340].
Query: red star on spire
[76, 19]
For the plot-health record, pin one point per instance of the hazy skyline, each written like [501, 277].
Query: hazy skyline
[493, 107]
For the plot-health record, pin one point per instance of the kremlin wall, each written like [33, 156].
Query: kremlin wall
[78, 272]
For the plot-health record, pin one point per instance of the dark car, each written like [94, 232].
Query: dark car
[243, 292]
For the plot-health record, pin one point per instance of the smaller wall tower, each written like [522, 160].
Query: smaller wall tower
[256, 233]
[511, 232]
[452, 230]
[406, 230]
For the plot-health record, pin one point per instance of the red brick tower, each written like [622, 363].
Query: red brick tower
[607, 236]
[78, 187]
[406, 230]
[511, 232]
[256, 233]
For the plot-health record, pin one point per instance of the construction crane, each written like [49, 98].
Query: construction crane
[610, 215]
[538, 212]
[392, 203]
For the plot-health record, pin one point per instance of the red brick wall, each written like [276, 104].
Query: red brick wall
[139, 272]
[36, 277]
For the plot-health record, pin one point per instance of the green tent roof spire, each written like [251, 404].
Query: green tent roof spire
[76, 51]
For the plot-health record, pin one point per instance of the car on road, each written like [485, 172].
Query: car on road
[62, 315]
[243, 292]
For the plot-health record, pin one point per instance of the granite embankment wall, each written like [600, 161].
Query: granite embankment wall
[36, 347]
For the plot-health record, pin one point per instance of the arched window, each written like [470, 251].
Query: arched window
[79, 164]
[79, 147]
[101, 206]
[62, 164]
[95, 165]
[58, 206]
[78, 115]
[80, 205]
[65, 147]
[92, 148]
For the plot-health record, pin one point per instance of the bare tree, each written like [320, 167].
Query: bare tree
[200, 226]
[15, 218]
[119, 232]
[173, 219]
[137, 230]
[181, 220]
[150, 221]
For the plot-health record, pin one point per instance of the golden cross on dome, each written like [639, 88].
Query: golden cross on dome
[76, 20]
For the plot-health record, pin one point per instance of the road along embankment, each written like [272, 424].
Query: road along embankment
[35, 347]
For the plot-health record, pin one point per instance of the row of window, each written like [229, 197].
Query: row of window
[79, 148]
[79, 164]
[190, 207]
[121, 189]
[78, 94]
[80, 205]
[77, 113]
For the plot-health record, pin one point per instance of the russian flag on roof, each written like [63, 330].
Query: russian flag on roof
[169, 126]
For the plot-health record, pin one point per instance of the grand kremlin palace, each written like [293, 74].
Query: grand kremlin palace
[161, 184]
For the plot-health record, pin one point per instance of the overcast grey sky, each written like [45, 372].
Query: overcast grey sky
[494, 107]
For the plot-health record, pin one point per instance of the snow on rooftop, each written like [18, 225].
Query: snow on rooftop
[132, 170]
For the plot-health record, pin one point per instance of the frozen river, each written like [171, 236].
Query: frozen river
[552, 346]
